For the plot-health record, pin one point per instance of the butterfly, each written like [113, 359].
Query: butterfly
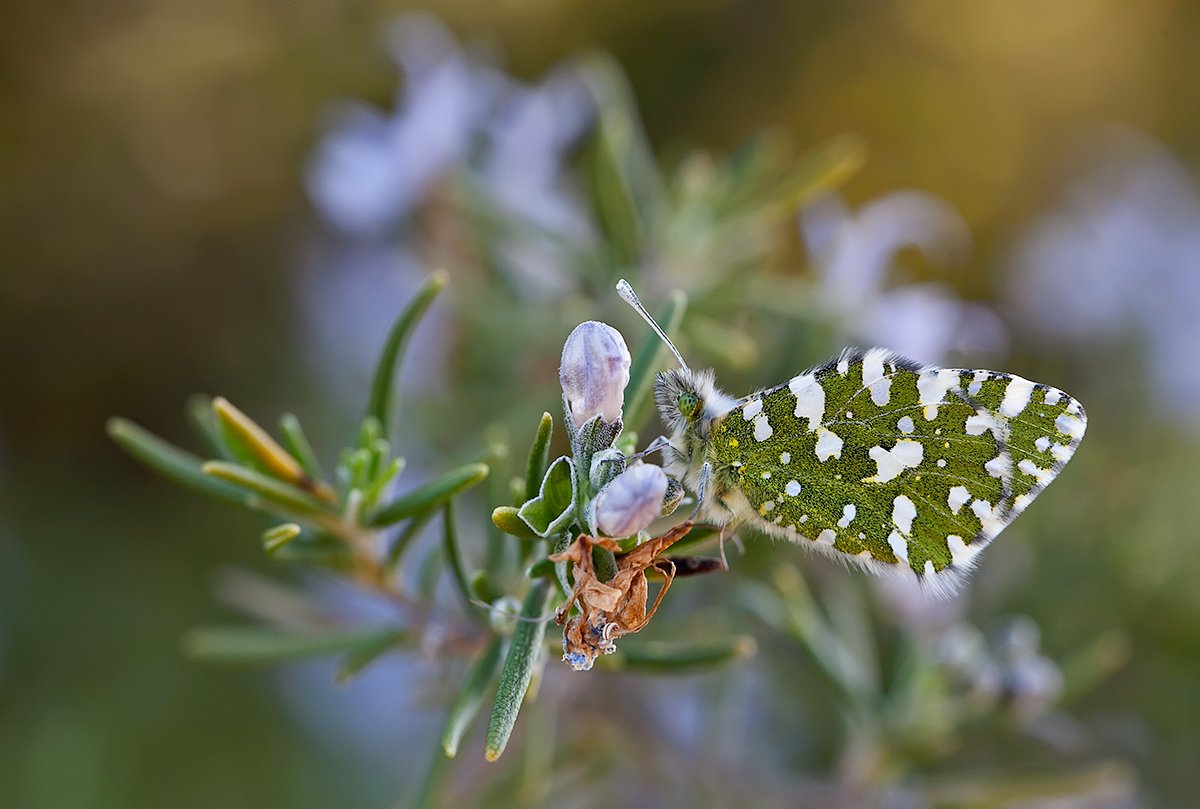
[871, 458]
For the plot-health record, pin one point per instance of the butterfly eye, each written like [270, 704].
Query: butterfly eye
[689, 404]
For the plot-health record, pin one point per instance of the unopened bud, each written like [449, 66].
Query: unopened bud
[673, 497]
[594, 372]
[632, 501]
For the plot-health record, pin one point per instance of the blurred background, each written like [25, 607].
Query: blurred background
[237, 197]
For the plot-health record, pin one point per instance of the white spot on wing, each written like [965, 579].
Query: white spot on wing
[752, 408]
[907, 454]
[848, 512]
[932, 386]
[992, 525]
[899, 546]
[826, 537]
[1053, 396]
[960, 554]
[785, 458]
[1061, 452]
[983, 420]
[829, 445]
[792, 488]
[905, 425]
[1043, 443]
[843, 365]
[958, 498]
[1043, 476]
[1070, 425]
[873, 376]
[762, 427]
[903, 512]
[1000, 466]
[1016, 396]
[810, 399]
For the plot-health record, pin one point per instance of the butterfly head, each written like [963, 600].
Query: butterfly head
[688, 401]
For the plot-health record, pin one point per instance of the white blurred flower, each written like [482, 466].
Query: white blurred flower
[1120, 255]
[632, 501]
[371, 168]
[349, 295]
[522, 172]
[594, 372]
[853, 254]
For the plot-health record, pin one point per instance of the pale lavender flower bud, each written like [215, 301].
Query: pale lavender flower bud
[632, 501]
[594, 372]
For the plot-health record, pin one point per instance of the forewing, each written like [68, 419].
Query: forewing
[881, 460]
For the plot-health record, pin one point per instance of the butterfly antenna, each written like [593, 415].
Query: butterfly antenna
[630, 297]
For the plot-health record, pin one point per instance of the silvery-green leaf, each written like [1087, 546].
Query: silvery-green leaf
[554, 507]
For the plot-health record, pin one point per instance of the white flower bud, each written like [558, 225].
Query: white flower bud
[594, 372]
[632, 501]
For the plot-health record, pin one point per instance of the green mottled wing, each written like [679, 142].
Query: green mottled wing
[877, 459]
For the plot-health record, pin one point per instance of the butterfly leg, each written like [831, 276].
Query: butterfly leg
[701, 490]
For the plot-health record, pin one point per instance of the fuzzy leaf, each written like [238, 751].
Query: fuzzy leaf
[554, 507]
[539, 456]
[507, 519]
[466, 705]
[523, 652]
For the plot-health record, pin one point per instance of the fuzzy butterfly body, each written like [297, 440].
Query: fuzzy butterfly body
[873, 458]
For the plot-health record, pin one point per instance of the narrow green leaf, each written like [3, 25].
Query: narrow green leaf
[518, 668]
[246, 436]
[680, 658]
[479, 677]
[373, 492]
[298, 445]
[171, 461]
[275, 538]
[401, 542]
[252, 644]
[316, 548]
[507, 519]
[454, 558]
[604, 562]
[483, 588]
[650, 359]
[367, 651]
[200, 416]
[541, 569]
[539, 456]
[431, 495]
[272, 489]
[429, 574]
[379, 404]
